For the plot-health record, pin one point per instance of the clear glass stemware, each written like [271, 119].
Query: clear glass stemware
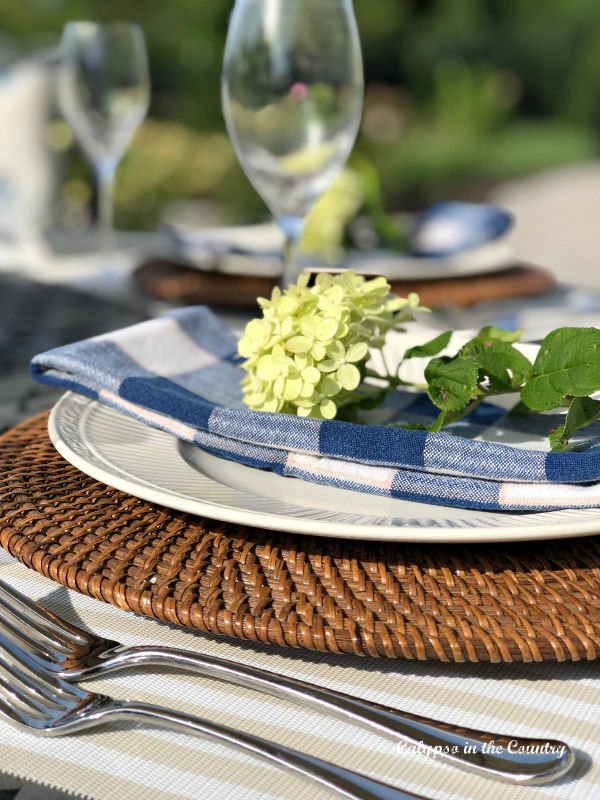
[104, 92]
[292, 90]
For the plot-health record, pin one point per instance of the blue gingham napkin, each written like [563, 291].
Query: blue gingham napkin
[180, 373]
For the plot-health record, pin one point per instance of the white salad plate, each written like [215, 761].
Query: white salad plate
[155, 466]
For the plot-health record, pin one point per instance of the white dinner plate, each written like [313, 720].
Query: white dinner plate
[153, 465]
[255, 250]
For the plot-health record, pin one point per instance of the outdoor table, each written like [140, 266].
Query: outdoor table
[545, 700]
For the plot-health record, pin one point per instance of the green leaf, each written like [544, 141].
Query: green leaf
[445, 418]
[452, 382]
[501, 363]
[364, 398]
[491, 332]
[430, 348]
[568, 364]
[519, 408]
[582, 411]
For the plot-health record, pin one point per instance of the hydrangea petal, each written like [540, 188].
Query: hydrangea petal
[318, 351]
[266, 369]
[328, 408]
[349, 376]
[298, 344]
[305, 348]
[292, 389]
[329, 387]
[326, 329]
[311, 375]
[356, 352]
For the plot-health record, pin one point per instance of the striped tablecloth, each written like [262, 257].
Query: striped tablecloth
[131, 763]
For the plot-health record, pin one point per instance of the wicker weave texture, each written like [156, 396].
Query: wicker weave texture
[170, 281]
[518, 602]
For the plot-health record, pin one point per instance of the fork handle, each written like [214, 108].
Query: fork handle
[345, 781]
[517, 759]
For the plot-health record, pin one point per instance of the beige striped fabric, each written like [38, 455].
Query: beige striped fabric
[130, 763]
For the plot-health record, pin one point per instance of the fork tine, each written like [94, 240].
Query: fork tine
[49, 685]
[37, 647]
[30, 630]
[33, 615]
[23, 693]
[17, 715]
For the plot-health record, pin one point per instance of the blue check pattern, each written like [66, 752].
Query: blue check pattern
[180, 373]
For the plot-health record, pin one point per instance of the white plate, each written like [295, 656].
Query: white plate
[211, 249]
[150, 464]
[488, 257]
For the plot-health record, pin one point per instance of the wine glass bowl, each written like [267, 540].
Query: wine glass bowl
[292, 92]
[103, 92]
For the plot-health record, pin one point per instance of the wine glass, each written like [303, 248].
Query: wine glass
[292, 91]
[104, 92]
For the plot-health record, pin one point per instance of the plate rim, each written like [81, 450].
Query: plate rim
[492, 255]
[153, 493]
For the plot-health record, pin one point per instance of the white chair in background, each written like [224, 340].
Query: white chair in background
[27, 167]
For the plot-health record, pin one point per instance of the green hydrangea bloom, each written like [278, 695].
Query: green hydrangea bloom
[307, 355]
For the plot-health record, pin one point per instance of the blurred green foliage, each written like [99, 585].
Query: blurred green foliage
[460, 93]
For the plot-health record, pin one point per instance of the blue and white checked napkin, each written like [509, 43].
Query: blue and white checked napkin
[180, 373]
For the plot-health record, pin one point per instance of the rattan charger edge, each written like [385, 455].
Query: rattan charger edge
[489, 603]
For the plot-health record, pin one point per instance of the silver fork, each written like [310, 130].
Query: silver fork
[72, 653]
[49, 706]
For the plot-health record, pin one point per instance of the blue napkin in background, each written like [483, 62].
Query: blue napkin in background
[450, 227]
[179, 373]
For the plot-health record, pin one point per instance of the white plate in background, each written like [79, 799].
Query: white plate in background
[255, 250]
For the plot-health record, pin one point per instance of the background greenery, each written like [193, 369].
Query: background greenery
[460, 94]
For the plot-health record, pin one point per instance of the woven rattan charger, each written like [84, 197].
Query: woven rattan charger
[173, 282]
[517, 602]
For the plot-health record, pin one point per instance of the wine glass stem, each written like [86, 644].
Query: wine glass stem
[289, 274]
[106, 181]
[292, 227]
